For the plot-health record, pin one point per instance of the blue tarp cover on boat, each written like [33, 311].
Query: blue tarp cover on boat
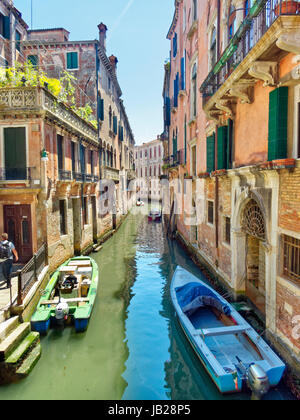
[193, 296]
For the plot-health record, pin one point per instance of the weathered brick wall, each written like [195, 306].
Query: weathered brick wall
[289, 200]
[288, 307]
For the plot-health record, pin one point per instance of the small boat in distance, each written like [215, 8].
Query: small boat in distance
[140, 203]
[69, 296]
[155, 215]
[231, 351]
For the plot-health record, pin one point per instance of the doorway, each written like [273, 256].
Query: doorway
[18, 226]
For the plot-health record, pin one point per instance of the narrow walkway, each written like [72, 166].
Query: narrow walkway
[4, 292]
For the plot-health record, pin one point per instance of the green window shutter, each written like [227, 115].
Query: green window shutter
[278, 123]
[6, 27]
[211, 153]
[115, 125]
[101, 109]
[15, 153]
[222, 148]
[72, 60]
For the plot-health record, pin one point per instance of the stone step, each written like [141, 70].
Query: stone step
[13, 340]
[7, 327]
[23, 348]
[30, 361]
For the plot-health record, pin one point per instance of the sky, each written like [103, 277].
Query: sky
[137, 31]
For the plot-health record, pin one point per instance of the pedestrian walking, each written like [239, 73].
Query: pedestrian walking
[7, 252]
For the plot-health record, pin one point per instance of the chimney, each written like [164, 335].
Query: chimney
[113, 61]
[102, 35]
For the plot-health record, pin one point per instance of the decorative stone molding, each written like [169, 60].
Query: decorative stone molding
[222, 105]
[243, 90]
[290, 42]
[265, 71]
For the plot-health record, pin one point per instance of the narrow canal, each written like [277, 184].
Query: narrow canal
[134, 347]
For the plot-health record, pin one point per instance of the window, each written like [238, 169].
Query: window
[85, 211]
[33, 59]
[110, 117]
[210, 212]
[184, 19]
[194, 161]
[175, 45]
[227, 230]
[231, 22]
[60, 152]
[246, 8]
[72, 61]
[92, 162]
[291, 258]
[5, 26]
[195, 10]
[213, 48]
[18, 41]
[194, 91]
[62, 217]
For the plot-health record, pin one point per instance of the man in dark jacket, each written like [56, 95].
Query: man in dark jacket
[8, 264]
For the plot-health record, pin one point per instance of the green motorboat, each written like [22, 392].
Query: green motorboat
[69, 296]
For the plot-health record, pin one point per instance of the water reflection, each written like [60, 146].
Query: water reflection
[134, 347]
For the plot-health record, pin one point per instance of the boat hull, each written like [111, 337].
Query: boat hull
[44, 316]
[207, 341]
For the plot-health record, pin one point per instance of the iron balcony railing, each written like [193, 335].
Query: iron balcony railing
[16, 174]
[260, 18]
[82, 177]
[65, 175]
[179, 158]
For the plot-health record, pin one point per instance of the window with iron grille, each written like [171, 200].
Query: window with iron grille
[210, 212]
[291, 258]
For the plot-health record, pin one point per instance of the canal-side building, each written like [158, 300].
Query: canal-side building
[49, 175]
[13, 30]
[94, 76]
[149, 160]
[242, 154]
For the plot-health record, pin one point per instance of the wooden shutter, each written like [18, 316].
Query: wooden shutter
[101, 109]
[278, 119]
[168, 112]
[15, 153]
[72, 60]
[183, 73]
[115, 125]
[222, 147]
[211, 153]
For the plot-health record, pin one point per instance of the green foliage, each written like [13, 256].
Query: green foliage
[28, 75]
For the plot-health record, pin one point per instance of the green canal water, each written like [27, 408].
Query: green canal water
[134, 347]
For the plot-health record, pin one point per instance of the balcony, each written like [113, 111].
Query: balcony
[19, 177]
[39, 100]
[175, 160]
[81, 177]
[270, 28]
[64, 175]
[111, 174]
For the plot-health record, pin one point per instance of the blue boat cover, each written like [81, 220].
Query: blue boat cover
[193, 296]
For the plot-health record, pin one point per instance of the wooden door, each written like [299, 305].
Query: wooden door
[18, 226]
